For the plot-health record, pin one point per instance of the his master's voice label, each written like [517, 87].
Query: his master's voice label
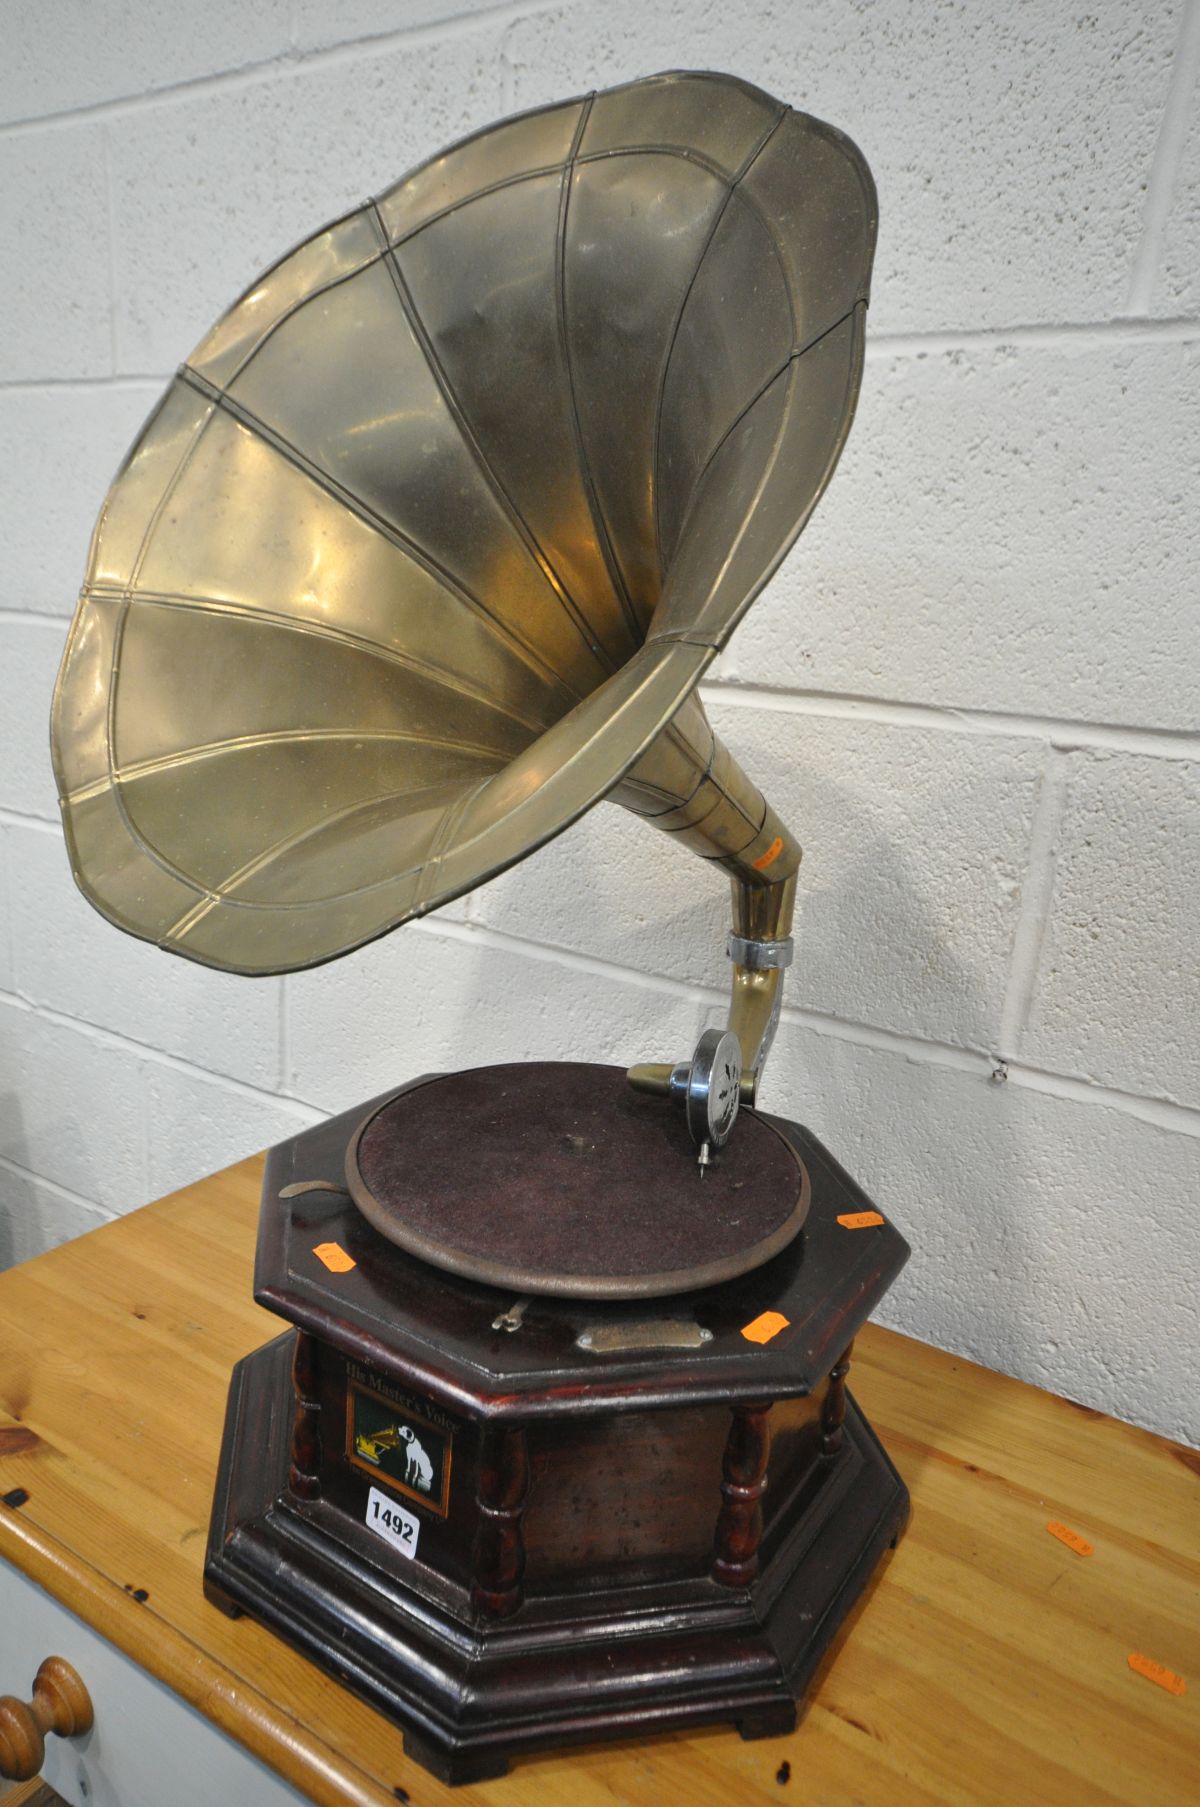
[405, 1449]
[401, 1528]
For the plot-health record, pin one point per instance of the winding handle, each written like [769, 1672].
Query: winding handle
[60, 1704]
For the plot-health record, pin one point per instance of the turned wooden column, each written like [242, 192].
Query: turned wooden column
[501, 1500]
[833, 1411]
[743, 1483]
[304, 1470]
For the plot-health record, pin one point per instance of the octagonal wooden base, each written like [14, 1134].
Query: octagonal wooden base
[611, 1519]
[584, 1663]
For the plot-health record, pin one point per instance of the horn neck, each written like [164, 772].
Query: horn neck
[690, 786]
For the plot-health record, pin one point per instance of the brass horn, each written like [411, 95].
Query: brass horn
[423, 551]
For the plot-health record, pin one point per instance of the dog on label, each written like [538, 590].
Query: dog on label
[418, 1469]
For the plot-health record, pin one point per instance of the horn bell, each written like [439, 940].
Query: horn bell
[425, 548]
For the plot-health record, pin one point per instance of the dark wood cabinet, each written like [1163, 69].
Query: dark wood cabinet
[614, 1518]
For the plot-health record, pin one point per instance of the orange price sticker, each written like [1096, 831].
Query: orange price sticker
[860, 1220]
[1154, 1672]
[770, 856]
[766, 1325]
[1072, 1539]
[335, 1258]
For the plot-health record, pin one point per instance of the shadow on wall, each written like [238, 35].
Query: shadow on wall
[35, 1215]
[16, 1195]
[10, 1204]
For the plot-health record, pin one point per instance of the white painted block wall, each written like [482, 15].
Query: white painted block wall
[972, 689]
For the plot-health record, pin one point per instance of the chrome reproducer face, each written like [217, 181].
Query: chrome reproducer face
[714, 1087]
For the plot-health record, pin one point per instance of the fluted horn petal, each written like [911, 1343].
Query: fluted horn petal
[440, 524]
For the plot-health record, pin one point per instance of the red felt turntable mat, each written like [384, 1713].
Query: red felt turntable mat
[557, 1177]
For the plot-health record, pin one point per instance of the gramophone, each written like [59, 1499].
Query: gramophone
[421, 555]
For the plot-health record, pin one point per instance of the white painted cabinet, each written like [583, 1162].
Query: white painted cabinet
[147, 1747]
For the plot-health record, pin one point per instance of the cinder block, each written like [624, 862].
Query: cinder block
[1177, 283]
[615, 889]
[35, 1216]
[1054, 1240]
[59, 449]
[915, 844]
[425, 1002]
[71, 1109]
[29, 655]
[1009, 530]
[60, 55]
[318, 25]
[1010, 146]
[1116, 998]
[196, 1124]
[209, 190]
[54, 293]
[69, 959]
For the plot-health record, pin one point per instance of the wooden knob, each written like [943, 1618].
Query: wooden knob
[60, 1704]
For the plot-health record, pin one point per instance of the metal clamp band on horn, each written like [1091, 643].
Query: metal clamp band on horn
[760, 956]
